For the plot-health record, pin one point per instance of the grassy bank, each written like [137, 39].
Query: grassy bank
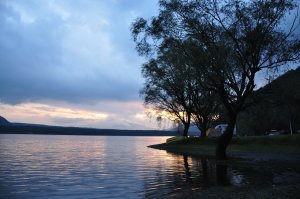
[256, 146]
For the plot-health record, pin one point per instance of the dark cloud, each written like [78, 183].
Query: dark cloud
[26, 53]
[66, 52]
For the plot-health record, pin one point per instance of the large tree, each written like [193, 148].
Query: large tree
[236, 40]
[173, 85]
[205, 104]
[206, 108]
[168, 85]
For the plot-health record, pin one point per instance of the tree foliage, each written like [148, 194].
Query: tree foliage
[232, 41]
[168, 86]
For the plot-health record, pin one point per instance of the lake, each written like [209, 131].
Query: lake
[58, 166]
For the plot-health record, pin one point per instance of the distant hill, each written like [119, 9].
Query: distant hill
[276, 106]
[3, 121]
[24, 128]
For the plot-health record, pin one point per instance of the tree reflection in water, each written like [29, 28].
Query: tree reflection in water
[222, 175]
[187, 169]
[186, 173]
[214, 174]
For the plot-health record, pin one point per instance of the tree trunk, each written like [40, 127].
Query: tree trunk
[186, 129]
[203, 134]
[291, 128]
[225, 139]
[204, 127]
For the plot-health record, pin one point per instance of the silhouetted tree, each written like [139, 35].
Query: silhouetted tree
[168, 86]
[237, 39]
[206, 109]
[205, 104]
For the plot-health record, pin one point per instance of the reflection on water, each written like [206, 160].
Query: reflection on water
[112, 167]
[194, 174]
[222, 175]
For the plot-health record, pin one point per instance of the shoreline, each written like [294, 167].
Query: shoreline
[282, 148]
[256, 156]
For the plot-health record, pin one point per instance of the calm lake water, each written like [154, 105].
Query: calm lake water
[51, 166]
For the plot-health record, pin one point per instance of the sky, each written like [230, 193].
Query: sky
[72, 63]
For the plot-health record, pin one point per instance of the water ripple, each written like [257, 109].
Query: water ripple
[46, 166]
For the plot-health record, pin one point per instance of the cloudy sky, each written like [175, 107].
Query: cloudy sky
[72, 63]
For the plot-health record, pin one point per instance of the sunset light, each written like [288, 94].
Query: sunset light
[149, 99]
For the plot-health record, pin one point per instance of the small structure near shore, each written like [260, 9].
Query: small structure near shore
[218, 130]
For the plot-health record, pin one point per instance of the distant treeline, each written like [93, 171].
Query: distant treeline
[53, 130]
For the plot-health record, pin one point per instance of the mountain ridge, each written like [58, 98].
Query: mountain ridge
[3, 121]
[7, 127]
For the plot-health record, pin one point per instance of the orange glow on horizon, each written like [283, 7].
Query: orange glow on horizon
[115, 115]
[42, 110]
[162, 114]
